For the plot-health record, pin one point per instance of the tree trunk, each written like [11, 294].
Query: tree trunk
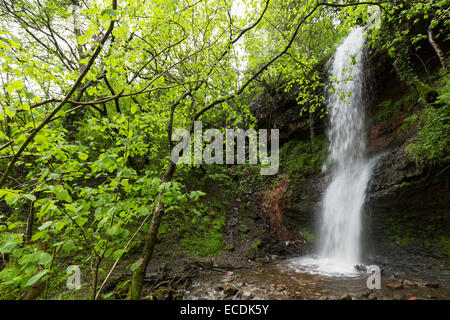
[34, 292]
[311, 131]
[137, 280]
[438, 49]
[28, 217]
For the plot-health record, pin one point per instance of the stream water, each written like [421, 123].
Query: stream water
[282, 282]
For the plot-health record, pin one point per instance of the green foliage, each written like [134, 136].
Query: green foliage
[256, 244]
[97, 220]
[402, 30]
[203, 235]
[445, 243]
[433, 143]
[298, 160]
[444, 93]
[309, 236]
[388, 111]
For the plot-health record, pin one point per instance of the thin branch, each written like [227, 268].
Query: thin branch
[63, 102]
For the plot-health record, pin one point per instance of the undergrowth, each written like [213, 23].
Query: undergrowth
[433, 143]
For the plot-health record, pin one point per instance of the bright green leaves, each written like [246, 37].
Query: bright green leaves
[44, 258]
[72, 208]
[25, 263]
[49, 205]
[45, 225]
[108, 13]
[18, 85]
[68, 245]
[14, 43]
[15, 86]
[105, 162]
[35, 278]
[8, 246]
[83, 156]
[133, 108]
[117, 254]
[61, 193]
[195, 195]
[122, 31]
[13, 196]
[81, 40]
[9, 111]
[397, 36]
[89, 33]
[113, 231]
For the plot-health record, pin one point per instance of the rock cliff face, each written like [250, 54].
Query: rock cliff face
[407, 212]
[407, 216]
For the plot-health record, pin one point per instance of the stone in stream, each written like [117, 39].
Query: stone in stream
[434, 284]
[372, 296]
[395, 285]
[230, 279]
[360, 268]
[230, 291]
[247, 295]
[408, 284]
[346, 296]
[280, 297]
[258, 293]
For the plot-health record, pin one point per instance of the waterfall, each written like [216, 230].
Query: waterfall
[340, 245]
[349, 170]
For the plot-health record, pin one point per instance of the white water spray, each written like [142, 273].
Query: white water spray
[340, 231]
[340, 243]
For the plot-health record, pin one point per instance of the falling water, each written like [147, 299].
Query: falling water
[344, 197]
[339, 238]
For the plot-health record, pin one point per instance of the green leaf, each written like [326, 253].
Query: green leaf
[10, 111]
[18, 85]
[15, 44]
[44, 258]
[35, 278]
[107, 296]
[30, 197]
[83, 156]
[68, 245]
[89, 33]
[113, 231]
[70, 207]
[134, 266]
[63, 195]
[110, 12]
[81, 40]
[30, 95]
[8, 247]
[45, 225]
[118, 254]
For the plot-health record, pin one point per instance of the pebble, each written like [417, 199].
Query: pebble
[408, 283]
[395, 285]
[346, 296]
